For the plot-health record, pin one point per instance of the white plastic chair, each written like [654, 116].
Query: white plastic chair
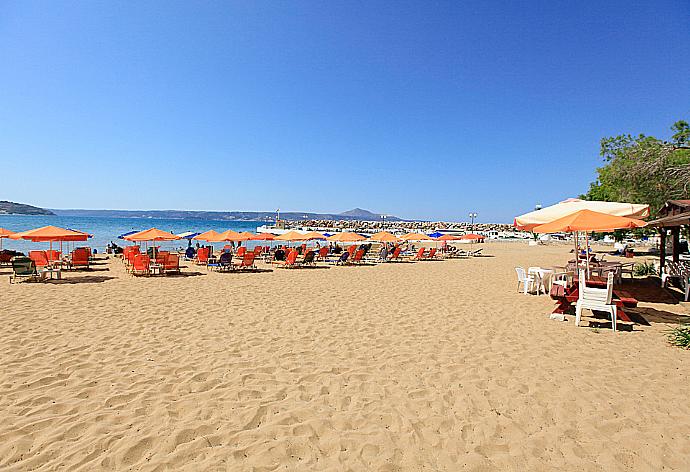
[527, 280]
[596, 299]
[535, 272]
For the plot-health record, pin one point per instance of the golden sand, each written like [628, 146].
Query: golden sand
[425, 366]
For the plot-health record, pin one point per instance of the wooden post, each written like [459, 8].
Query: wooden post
[675, 243]
[662, 247]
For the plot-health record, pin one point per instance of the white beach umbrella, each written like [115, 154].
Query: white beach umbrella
[567, 207]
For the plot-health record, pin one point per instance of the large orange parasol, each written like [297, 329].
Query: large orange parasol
[346, 237]
[263, 237]
[5, 233]
[384, 237]
[206, 235]
[291, 236]
[546, 215]
[588, 220]
[472, 237]
[313, 235]
[447, 237]
[416, 237]
[51, 234]
[228, 235]
[153, 234]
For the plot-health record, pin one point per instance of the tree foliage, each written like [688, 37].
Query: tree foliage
[644, 169]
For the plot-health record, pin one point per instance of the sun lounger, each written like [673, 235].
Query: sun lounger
[323, 254]
[201, 256]
[357, 258]
[79, 258]
[53, 255]
[476, 252]
[290, 261]
[40, 258]
[141, 265]
[308, 258]
[419, 256]
[23, 268]
[395, 257]
[247, 262]
[343, 258]
[171, 264]
[225, 262]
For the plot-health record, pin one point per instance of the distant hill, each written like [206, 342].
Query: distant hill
[364, 215]
[12, 208]
[352, 215]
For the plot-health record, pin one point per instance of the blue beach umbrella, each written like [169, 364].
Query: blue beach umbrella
[122, 236]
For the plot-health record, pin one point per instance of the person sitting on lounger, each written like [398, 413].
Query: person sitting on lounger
[190, 253]
[279, 255]
[383, 253]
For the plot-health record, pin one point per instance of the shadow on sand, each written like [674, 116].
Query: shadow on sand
[87, 279]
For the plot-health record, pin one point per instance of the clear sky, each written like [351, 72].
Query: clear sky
[419, 109]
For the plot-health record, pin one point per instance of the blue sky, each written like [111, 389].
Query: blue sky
[418, 109]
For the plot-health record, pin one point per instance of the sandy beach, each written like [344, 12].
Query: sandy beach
[396, 367]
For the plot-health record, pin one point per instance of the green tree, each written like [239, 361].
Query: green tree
[681, 137]
[644, 169]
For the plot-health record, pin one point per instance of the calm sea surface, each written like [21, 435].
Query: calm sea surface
[105, 230]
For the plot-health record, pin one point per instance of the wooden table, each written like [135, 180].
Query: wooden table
[566, 296]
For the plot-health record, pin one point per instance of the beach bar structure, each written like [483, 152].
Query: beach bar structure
[674, 215]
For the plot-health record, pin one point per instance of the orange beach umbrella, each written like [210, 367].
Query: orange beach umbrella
[228, 235]
[472, 237]
[5, 233]
[313, 235]
[50, 234]
[290, 236]
[588, 220]
[416, 237]
[551, 213]
[384, 237]
[346, 237]
[263, 237]
[206, 235]
[153, 234]
[447, 237]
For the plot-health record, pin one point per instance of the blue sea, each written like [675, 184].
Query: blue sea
[105, 230]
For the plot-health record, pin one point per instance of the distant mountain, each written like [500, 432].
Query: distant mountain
[12, 208]
[356, 214]
[364, 215]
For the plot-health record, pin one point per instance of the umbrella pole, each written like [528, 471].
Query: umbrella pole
[587, 251]
[577, 253]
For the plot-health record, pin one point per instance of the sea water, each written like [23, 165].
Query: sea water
[106, 230]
